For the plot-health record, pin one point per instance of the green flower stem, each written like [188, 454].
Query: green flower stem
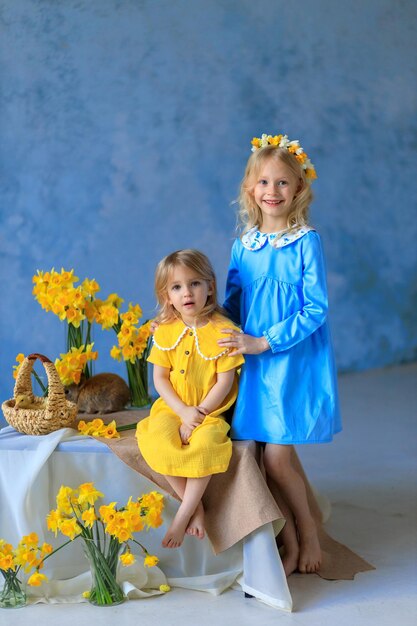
[40, 383]
[141, 546]
[12, 594]
[127, 427]
[137, 374]
[58, 549]
[105, 589]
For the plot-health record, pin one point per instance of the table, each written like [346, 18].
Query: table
[32, 468]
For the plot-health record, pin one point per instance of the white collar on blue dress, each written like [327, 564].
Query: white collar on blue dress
[255, 240]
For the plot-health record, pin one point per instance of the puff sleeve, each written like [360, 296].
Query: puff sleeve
[226, 363]
[158, 356]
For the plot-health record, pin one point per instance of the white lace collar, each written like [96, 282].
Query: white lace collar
[255, 240]
[193, 332]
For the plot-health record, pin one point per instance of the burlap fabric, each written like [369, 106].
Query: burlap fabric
[238, 501]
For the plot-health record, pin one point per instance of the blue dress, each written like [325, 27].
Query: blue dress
[277, 288]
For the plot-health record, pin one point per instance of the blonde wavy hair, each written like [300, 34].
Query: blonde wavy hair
[249, 214]
[193, 260]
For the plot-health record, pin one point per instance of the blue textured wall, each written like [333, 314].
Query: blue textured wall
[125, 128]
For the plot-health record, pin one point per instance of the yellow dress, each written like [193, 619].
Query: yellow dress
[194, 358]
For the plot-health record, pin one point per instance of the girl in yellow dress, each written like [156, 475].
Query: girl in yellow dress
[185, 436]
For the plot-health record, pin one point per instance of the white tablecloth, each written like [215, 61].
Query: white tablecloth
[32, 468]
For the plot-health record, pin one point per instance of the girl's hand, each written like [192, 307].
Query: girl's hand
[240, 343]
[185, 433]
[192, 416]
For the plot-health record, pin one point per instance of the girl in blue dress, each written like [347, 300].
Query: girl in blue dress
[276, 291]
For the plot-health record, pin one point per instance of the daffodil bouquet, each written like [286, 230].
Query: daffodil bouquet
[28, 555]
[106, 533]
[80, 308]
[134, 347]
[75, 304]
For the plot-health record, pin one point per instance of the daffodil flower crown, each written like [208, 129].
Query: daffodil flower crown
[293, 147]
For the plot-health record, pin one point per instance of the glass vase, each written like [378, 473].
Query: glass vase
[12, 595]
[137, 374]
[105, 590]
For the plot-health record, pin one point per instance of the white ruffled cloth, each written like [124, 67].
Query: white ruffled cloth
[32, 468]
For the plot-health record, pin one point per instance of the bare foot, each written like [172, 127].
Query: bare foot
[290, 560]
[310, 552]
[195, 526]
[175, 533]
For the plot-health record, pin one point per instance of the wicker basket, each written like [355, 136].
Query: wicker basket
[47, 414]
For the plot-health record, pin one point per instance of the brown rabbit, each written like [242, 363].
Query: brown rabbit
[102, 393]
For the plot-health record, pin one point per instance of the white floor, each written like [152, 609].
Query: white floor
[369, 473]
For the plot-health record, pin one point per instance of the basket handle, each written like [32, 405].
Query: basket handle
[56, 393]
[42, 358]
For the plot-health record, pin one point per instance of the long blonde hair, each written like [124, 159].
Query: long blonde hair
[193, 260]
[249, 214]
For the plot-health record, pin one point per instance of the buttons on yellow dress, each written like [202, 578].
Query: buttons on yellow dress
[187, 352]
[191, 333]
[182, 371]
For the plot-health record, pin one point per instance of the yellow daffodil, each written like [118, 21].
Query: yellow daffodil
[135, 309]
[127, 559]
[74, 316]
[115, 353]
[126, 334]
[129, 318]
[110, 431]
[150, 560]
[65, 500]
[89, 517]
[91, 311]
[68, 278]
[36, 579]
[30, 540]
[107, 316]
[46, 548]
[7, 562]
[72, 363]
[115, 300]
[87, 493]
[90, 287]
[53, 521]
[70, 528]
[128, 353]
[108, 512]
[19, 358]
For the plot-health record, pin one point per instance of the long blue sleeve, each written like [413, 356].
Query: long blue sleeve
[298, 326]
[233, 289]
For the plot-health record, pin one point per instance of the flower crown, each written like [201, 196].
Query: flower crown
[293, 147]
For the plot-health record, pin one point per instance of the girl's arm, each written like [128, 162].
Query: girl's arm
[233, 289]
[302, 323]
[218, 392]
[190, 415]
[313, 314]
